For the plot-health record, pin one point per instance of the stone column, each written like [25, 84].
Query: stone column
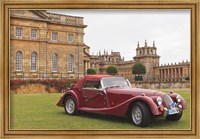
[85, 65]
[160, 73]
[167, 73]
[181, 73]
[178, 69]
[171, 73]
[175, 72]
[164, 70]
[163, 74]
[88, 64]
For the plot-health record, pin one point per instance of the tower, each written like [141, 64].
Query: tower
[148, 56]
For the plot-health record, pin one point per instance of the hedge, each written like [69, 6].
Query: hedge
[59, 84]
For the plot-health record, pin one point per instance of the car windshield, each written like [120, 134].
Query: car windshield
[115, 82]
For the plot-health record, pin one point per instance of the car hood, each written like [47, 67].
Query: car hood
[134, 91]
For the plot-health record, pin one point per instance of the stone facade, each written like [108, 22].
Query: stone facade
[48, 35]
[172, 72]
[102, 60]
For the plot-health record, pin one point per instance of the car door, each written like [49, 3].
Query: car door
[93, 96]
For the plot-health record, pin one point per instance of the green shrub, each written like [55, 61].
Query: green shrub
[91, 71]
[138, 68]
[112, 70]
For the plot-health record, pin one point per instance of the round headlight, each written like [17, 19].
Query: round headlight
[159, 101]
[178, 98]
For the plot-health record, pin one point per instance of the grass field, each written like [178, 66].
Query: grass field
[39, 111]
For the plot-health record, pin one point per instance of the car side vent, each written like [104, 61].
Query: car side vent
[168, 101]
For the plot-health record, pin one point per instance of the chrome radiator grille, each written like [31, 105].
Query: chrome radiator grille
[168, 101]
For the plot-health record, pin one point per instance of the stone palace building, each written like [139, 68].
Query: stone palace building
[48, 45]
[146, 55]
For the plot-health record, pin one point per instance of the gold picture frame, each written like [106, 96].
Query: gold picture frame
[6, 5]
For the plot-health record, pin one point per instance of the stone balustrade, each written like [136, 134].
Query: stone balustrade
[70, 20]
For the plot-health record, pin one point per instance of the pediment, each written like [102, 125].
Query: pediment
[36, 14]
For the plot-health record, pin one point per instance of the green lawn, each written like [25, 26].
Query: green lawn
[39, 111]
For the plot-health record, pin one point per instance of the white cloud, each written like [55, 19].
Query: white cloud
[120, 30]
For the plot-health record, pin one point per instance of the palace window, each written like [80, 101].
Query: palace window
[19, 61]
[70, 38]
[33, 33]
[70, 63]
[54, 62]
[34, 61]
[54, 36]
[18, 32]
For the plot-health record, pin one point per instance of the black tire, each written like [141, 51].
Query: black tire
[140, 114]
[174, 117]
[70, 105]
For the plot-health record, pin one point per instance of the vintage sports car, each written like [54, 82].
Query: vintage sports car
[106, 94]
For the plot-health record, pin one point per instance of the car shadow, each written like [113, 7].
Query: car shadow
[104, 117]
[157, 123]
[160, 122]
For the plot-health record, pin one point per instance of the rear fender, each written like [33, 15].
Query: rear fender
[69, 93]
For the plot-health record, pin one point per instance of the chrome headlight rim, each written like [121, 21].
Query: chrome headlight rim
[159, 101]
[178, 98]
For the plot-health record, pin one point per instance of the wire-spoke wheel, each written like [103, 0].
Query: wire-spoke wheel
[140, 114]
[70, 105]
[136, 115]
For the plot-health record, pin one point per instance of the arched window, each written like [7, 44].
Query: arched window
[54, 62]
[19, 61]
[34, 61]
[70, 63]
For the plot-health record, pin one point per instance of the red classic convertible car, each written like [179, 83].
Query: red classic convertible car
[113, 95]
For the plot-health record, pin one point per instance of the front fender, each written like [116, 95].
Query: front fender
[68, 93]
[152, 105]
[173, 96]
[123, 108]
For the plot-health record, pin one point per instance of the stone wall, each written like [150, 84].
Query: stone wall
[161, 85]
[44, 46]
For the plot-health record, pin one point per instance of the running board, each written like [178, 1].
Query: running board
[93, 109]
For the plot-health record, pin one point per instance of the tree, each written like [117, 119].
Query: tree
[138, 69]
[111, 70]
[91, 71]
